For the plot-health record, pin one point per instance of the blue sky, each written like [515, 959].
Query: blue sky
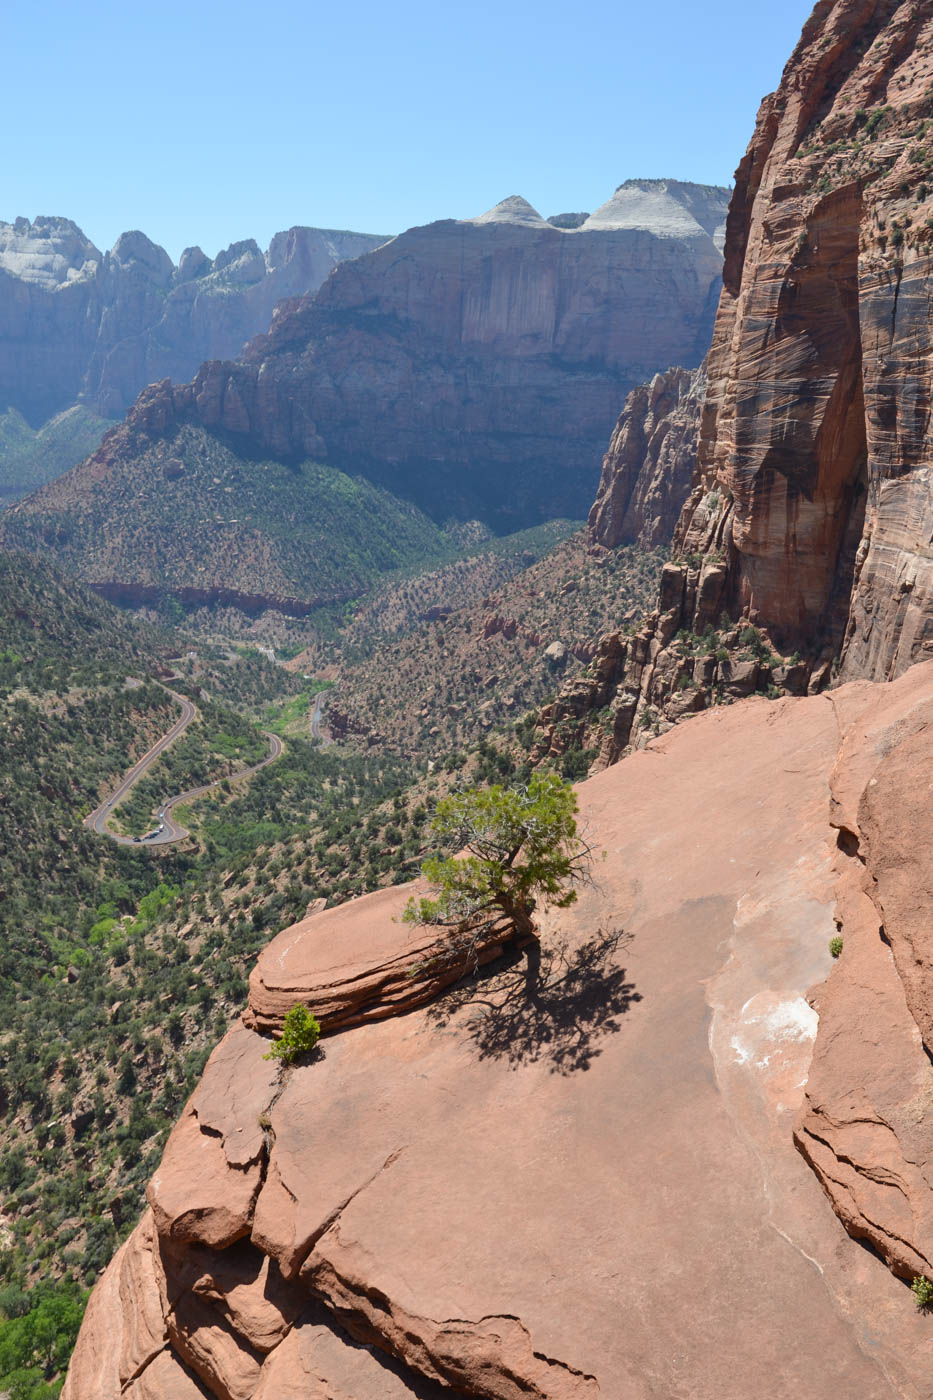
[205, 123]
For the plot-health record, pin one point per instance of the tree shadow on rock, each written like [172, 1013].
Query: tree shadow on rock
[548, 1003]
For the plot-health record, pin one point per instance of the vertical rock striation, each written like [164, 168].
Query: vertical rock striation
[816, 428]
[648, 469]
[810, 514]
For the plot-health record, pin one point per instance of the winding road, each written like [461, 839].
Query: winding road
[169, 829]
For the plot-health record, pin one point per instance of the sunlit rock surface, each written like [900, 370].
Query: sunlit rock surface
[574, 1174]
[76, 322]
[816, 433]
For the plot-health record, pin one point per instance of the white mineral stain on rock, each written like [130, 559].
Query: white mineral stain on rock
[769, 1028]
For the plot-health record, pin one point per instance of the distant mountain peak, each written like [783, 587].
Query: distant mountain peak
[47, 252]
[666, 208]
[514, 210]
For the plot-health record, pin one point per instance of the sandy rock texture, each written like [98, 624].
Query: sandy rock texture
[359, 962]
[816, 429]
[573, 1174]
[866, 1127]
[648, 469]
[78, 322]
[810, 511]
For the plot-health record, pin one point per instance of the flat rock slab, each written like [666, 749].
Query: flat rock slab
[867, 1123]
[212, 1166]
[574, 1175]
[569, 1154]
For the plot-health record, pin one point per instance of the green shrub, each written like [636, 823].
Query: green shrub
[835, 946]
[922, 1289]
[300, 1033]
[751, 638]
[496, 826]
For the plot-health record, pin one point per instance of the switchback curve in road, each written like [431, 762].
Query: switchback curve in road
[171, 830]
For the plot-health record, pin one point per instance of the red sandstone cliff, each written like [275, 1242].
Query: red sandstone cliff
[811, 510]
[816, 430]
[649, 467]
[569, 1178]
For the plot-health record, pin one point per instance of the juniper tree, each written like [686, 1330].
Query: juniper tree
[519, 848]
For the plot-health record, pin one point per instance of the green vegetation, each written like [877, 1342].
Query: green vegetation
[57, 638]
[37, 1335]
[30, 457]
[874, 119]
[135, 960]
[300, 1034]
[204, 516]
[922, 1289]
[423, 679]
[835, 946]
[214, 746]
[292, 715]
[522, 846]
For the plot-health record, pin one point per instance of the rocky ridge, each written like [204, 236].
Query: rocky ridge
[809, 513]
[812, 477]
[186, 517]
[636, 1076]
[79, 323]
[648, 469]
[476, 367]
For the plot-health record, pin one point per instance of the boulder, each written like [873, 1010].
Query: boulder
[211, 1170]
[359, 962]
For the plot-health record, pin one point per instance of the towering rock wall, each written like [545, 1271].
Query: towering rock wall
[649, 467]
[811, 510]
[75, 322]
[477, 366]
[816, 430]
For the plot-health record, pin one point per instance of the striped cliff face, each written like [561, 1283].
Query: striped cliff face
[816, 429]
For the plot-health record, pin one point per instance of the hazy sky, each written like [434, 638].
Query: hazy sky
[205, 123]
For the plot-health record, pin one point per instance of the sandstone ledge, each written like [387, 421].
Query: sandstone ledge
[567, 1177]
[867, 1124]
[359, 963]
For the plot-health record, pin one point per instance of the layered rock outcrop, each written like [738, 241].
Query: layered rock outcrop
[866, 1127]
[79, 323]
[649, 467]
[475, 367]
[816, 430]
[479, 366]
[568, 1177]
[810, 514]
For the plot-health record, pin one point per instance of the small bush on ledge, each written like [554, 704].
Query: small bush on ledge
[922, 1289]
[300, 1033]
[835, 946]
